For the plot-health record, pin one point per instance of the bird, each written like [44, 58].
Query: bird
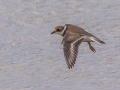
[73, 36]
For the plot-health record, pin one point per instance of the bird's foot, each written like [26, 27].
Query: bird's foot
[92, 49]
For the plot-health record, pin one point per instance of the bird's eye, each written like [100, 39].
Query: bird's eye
[58, 30]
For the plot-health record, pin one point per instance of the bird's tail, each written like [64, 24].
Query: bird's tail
[97, 40]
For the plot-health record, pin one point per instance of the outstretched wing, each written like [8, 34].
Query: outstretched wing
[70, 46]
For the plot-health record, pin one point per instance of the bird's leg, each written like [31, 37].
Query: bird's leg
[90, 46]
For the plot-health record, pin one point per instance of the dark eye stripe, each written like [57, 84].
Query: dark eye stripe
[58, 29]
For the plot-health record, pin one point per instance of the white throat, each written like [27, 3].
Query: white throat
[64, 29]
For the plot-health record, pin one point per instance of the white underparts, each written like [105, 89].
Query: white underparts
[94, 39]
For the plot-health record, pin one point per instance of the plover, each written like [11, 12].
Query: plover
[73, 36]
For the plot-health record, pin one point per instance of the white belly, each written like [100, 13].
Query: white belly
[87, 39]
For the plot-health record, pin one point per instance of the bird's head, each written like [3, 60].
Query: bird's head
[59, 30]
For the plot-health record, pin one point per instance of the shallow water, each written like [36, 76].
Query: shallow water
[32, 59]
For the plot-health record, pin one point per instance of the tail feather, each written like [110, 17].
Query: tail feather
[97, 40]
[102, 42]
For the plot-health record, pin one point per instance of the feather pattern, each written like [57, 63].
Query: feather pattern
[70, 48]
[73, 36]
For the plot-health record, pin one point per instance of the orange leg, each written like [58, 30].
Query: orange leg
[90, 46]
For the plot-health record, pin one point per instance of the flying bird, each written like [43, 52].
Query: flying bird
[73, 36]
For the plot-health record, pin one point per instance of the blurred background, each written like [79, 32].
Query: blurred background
[32, 59]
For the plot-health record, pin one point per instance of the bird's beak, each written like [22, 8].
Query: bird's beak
[52, 32]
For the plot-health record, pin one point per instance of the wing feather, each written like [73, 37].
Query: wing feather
[70, 48]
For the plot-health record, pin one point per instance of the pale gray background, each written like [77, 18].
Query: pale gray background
[32, 59]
